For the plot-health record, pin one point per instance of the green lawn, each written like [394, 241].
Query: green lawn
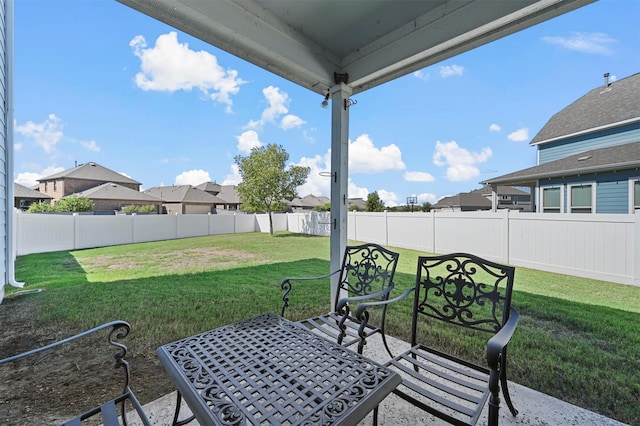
[578, 339]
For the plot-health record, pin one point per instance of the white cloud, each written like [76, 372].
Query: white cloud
[390, 199]
[234, 177]
[418, 177]
[355, 191]
[290, 121]
[318, 181]
[449, 70]
[193, 177]
[364, 157]
[596, 43]
[495, 128]
[459, 161]
[519, 135]
[427, 197]
[18, 146]
[170, 66]
[90, 146]
[30, 179]
[247, 141]
[420, 74]
[46, 134]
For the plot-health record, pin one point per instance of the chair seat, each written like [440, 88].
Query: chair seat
[109, 411]
[328, 325]
[454, 391]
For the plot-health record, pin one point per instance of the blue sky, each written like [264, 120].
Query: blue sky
[98, 81]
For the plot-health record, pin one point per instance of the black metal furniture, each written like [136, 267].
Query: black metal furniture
[469, 292]
[111, 415]
[366, 274]
[270, 371]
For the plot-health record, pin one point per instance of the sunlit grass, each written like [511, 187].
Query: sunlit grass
[578, 339]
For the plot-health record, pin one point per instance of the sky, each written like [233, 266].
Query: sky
[96, 81]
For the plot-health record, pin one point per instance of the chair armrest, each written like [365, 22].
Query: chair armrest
[346, 300]
[501, 339]
[364, 306]
[285, 285]
[113, 324]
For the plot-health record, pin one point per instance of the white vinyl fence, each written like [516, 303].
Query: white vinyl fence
[37, 233]
[599, 246]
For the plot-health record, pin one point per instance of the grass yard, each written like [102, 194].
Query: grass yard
[578, 339]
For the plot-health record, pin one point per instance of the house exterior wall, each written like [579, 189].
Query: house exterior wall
[58, 188]
[611, 193]
[197, 208]
[552, 151]
[6, 22]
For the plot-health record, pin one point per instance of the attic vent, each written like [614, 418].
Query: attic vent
[92, 164]
[586, 157]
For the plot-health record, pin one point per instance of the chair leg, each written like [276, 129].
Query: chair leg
[386, 346]
[503, 385]
[375, 416]
[177, 422]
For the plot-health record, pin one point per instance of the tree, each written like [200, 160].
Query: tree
[426, 206]
[266, 181]
[374, 203]
[72, 203]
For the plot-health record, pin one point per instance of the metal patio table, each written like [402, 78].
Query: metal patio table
[270, 371]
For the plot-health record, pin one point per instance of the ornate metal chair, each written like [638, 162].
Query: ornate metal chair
[366, 274]
[464, 291]
[111, 416]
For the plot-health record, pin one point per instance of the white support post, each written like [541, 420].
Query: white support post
[339, 179]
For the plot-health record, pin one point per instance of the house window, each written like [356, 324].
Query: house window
[634, 195]
[581, 198]
[55, 187]
[552, 199]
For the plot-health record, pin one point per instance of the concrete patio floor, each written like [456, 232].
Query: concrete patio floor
[535, 408]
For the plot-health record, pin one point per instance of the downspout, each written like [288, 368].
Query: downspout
[11, 252]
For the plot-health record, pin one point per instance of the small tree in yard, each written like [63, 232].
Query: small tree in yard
[266, 181]
[374, 203]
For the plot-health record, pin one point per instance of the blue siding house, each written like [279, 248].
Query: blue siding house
[588, 154]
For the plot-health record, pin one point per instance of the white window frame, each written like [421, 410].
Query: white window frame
[632, 208]
[541, 197]
[593, 196]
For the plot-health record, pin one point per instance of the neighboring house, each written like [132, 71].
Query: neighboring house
[111, 197]
[359, 203]
[508, 197]
[308, 202]
[184, 199]
[230, 197]
[588, 154]
[463, 202]
[23, 197]
[227, 195]
[81, 178]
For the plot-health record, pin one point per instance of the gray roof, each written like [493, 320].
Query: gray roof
[91, 171]
[21, 191]
[619, 157]
[502, 190]
[229, 194]
[473, 200]
[309, 201]
[601, 108]
[183, 194]
[113, 191]
[210, 187]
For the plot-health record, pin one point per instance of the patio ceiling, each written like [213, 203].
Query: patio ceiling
[364, 43]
